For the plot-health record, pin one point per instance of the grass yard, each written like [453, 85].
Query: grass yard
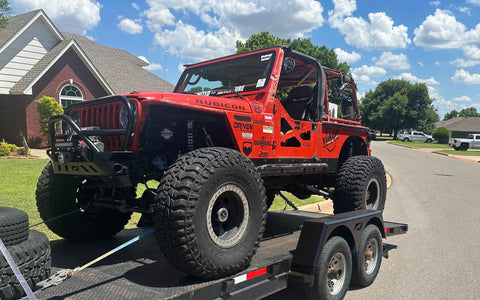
[18, 181]
[466, 153]
[420, 144]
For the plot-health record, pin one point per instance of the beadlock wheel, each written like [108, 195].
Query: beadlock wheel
[227, 215]
[372, 196]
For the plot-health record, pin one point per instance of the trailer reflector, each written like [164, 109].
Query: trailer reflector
[249, 275]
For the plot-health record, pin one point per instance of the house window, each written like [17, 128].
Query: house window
[70, 94]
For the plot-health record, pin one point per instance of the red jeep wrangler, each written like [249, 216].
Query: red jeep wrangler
[234, 133]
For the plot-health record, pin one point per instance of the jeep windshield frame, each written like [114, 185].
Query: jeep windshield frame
[233, 75]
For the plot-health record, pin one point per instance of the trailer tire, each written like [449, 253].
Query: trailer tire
[333, 272]
[33, 258]
[57, 194]
[13, 226]
[212, 212]
[365, 269]
[361, 184]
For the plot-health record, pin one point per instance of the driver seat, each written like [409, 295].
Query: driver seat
[297, 101]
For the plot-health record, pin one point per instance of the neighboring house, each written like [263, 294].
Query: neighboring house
[460, 127]
[36, 60]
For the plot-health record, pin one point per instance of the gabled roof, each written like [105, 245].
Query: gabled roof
[17, 24]
[116, 70]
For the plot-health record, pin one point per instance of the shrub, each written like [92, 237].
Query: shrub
[47, 107]
[12, 147]
[5, 149]
[441, 134]
[23, 151]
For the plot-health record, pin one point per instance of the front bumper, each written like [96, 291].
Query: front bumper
[79, 152]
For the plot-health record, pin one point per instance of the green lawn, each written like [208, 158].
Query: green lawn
[420, 144]
[467, 153]
[18, 181]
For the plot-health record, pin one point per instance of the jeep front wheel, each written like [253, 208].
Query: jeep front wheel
[212, 212]
[58, 194]
[361, 184]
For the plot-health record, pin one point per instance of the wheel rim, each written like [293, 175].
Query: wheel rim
[372, 195]
[371, 256]
[227, 215]
[336, 273]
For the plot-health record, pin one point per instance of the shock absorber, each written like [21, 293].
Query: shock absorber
[190, 139]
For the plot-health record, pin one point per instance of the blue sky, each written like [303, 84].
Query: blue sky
[435, 42]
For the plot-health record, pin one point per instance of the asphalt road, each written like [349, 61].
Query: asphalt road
[439, 198]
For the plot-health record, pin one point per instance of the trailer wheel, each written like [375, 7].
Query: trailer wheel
[33, 258]
[59, 194]
[212, 212]
[368, 259]
[361, 184]
[333, 272]
[13, 226]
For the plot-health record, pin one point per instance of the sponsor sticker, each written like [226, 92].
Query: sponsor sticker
[266, 57]
[247, 135]
[261, 82]
[268, 118]
[267, 129]
[166, 133]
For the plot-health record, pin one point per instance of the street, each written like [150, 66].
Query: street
[439, 257]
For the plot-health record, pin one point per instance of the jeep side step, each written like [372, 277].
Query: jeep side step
[291, 169]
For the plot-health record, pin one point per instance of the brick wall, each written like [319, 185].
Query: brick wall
[69, 66]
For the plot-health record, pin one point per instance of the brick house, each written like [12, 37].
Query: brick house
[460, 127]
[36, 59]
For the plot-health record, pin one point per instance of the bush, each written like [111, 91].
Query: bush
[441, 134]
[5, 149]
[23, 151]
[47, 107]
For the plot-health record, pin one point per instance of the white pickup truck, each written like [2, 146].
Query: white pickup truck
[472, 141]
[415, 136]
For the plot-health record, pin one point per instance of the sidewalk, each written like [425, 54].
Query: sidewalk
[475, 159]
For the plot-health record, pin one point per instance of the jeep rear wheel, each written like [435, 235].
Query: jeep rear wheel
[60, 194]
[361, 184]
[212, 212]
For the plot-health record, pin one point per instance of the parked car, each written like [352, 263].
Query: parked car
[415, 136]
[373, 135]
[472, 141]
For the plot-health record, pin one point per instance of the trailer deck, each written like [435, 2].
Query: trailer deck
[140, 272]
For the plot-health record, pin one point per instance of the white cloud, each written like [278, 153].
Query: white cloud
[471, 51]
[130, 26]
[364, 73]
[474, 2]
[376, 33]
[393, 61]
[344, 56]
[462, 63]
[181, 67]
[464, 9]
[144, 59]
[186, 41]
[227, 21]
[462, 99]
[412, 78]
[462, 76]
[443, 31]
[153, 67]
[135, 6]
[435, 3]
[70, 16]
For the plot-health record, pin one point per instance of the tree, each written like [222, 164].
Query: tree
[4, 13]
[47, 107]
[327, 57]
[397, 104]
[469, 112]
[450, 115]
[441, 134]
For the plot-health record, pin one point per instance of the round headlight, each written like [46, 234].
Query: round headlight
[124, 115]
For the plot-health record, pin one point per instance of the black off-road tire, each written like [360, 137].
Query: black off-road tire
[202, 225]
[335, 259]
[361, 184]
[33, 258]
[13, 226]
[366, 266]
[56, 195]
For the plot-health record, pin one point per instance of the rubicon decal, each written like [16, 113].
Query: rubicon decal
[219, 104]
